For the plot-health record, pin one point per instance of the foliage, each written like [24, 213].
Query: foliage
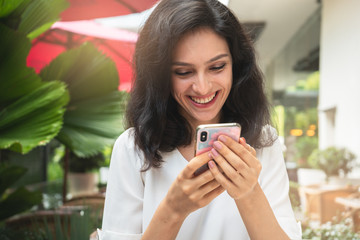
[77, 164]
[55, 171]
[333, 160]
[17, 200]
[31, 17]
[54, 168]
[329, 231]
[311, 83]
[278, 118]
[93, 117]
[31, 110]
[11, 234]
[303, 119]
[304, 147]
[76, 226]
[294, 195]
[300, 119]
[107, 154]
[85, 164]
[84, 80]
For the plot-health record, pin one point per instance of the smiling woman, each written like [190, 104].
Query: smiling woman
[194, 64]
[201, 80]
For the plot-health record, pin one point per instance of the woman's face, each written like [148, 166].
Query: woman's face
[201, 75]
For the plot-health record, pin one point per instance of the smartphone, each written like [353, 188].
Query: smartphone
[206, 134]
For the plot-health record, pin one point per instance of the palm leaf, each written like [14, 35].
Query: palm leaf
[31, 17]
[31, 111]
[7, 7]
[34, 119]
[91, 125]
[9, 175]
[94, 115]
[38, 14]
[14, 75]
[20, 199]
[86, 71]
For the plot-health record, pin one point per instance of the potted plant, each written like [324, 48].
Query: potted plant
[333, 161]
[83, 175]
[74, 99]
[304, 147]
[94, 113]
[31, 110]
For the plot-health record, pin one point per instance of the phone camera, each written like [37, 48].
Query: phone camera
[203, 136]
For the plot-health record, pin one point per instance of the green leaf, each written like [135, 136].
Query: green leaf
[37, 32]
[9, 175]
[87, 72]
[39, 13]
[91, 125]
[7, 7]
[14, 74]
[31, 111]
[94, 115]
[34, 119]
[18, 201]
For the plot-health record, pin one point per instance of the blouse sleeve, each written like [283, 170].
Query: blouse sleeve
[275, 183]
[123, 207]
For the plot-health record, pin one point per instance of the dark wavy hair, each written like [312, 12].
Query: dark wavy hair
[152, 110]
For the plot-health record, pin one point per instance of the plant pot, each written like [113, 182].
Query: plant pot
[82, 184]
[310, 176]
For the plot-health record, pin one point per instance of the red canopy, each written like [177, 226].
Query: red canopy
[90, 9]
[117, 44]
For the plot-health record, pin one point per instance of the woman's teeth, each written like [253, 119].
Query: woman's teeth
[203, 100]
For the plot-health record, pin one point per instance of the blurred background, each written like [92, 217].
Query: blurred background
[65, 74]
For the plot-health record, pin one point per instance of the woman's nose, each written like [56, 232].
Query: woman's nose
[202, 84]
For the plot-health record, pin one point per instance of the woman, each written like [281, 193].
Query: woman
[194, 64]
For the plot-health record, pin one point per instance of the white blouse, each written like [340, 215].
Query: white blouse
[133, 196]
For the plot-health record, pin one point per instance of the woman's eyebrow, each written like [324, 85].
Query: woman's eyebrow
[218, 57]
[209, 61]
[181, 64]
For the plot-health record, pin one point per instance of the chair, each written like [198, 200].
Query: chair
[95, 202]
[46, 220]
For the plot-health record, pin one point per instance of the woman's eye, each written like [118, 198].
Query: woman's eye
[218, 68]
[182, 73]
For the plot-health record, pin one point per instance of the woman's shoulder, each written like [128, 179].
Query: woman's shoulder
[125, 148]
[127, 138]
[268, 136]
[272, 148]
[126, 141]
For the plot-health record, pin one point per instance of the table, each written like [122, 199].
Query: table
[320, 201]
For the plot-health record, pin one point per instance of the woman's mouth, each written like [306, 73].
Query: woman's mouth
[203, 100]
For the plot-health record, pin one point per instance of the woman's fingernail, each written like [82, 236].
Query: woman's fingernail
[217, 145]
[222, 138]
[243, 140]
[211, 164]
[214, 153]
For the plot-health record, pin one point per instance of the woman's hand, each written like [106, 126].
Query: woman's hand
[186, 194]
[239, 166]
[189, 192]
